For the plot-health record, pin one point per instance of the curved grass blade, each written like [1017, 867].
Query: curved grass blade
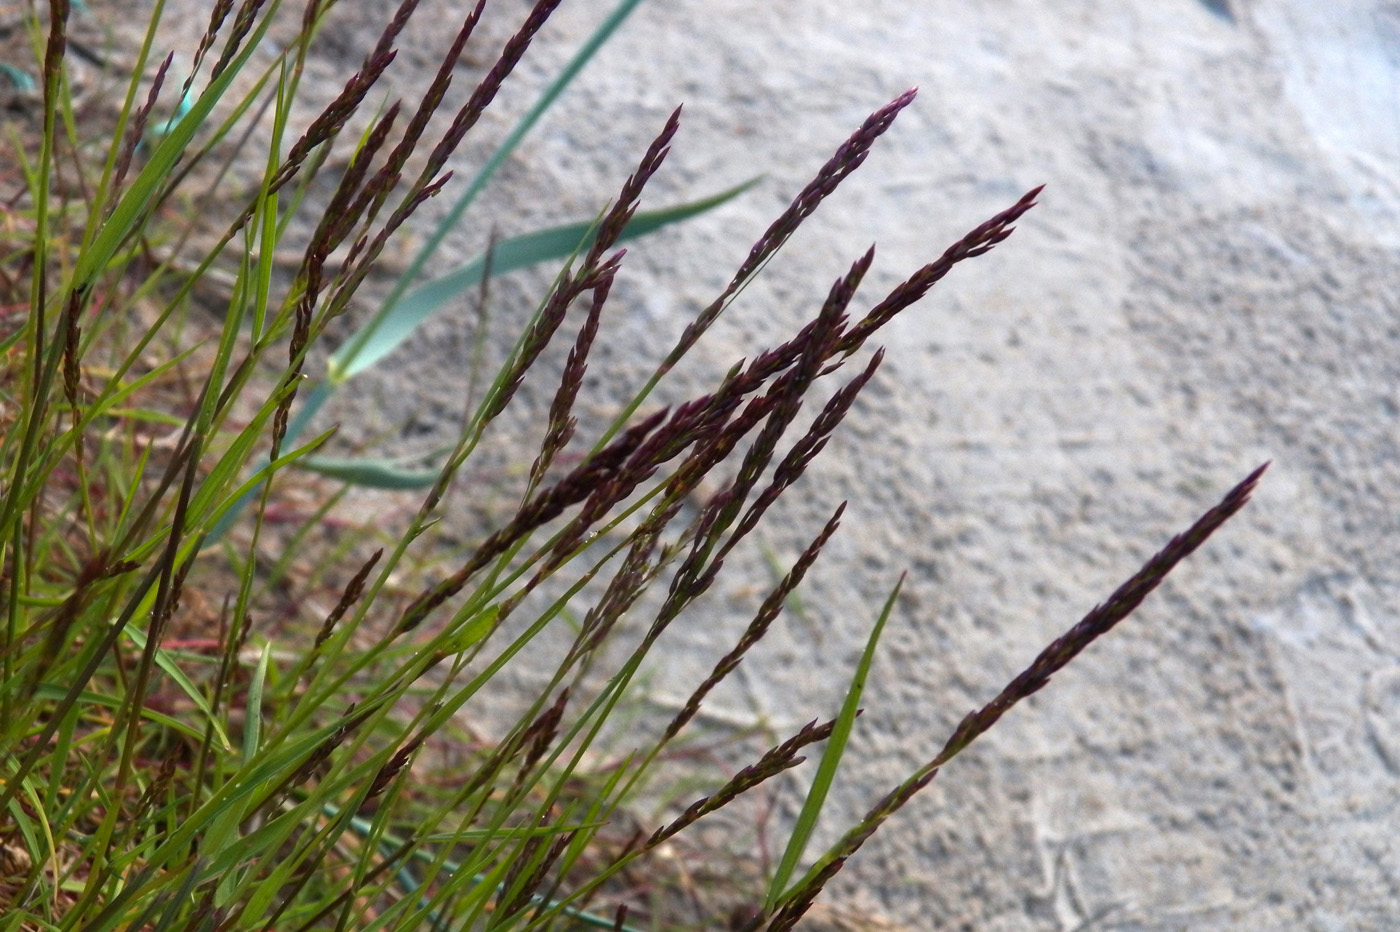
[172, 669]
[53, 691]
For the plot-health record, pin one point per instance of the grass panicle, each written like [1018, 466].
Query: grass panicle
[846, 160]
[1125, 599]
[976, 243]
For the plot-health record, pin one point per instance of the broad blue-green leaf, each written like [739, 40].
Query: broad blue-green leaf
[371, 473]
[361, 351]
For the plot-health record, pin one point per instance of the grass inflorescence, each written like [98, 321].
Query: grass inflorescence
[177, 755]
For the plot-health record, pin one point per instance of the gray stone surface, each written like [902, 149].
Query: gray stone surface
[1208, 283]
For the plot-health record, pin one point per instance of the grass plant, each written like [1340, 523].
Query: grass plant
[172, 756]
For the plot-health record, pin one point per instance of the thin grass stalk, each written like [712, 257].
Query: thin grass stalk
[289, 65]
[93, 659]
[328, 125]
[632, 578]
[584, 731]
[136, 204]
[332, 229]
[978, 242]
[134, 133]
[404, 851]
[34, 415]
[242, 25]
[366, 249]
[595, 271]
[778, 760]
[600, 274]
[701, 567]
[600, 711]
[622, 589]
[481, 330]
[562, 424]
[795, 462]
[539, 334]
[458, 700]
[387, 178]
[467, 117]
[514, 740]
[218, 12]
[313, 852]
[577, 486]
[232, 635]
[376, 839]
[775, 761]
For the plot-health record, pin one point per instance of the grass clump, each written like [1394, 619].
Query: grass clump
[171, 758]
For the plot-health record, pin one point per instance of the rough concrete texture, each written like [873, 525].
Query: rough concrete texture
[1209, 282]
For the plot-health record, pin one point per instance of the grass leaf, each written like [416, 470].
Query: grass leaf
[830, 762]
[370, 473]
[397, 321]
[172, 669]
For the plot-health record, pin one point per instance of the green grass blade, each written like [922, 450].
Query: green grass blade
[235, 500]
[830, 762]
[52, 692]
[172, 669]
[252, 730]
[314, 401]
[396, 321]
